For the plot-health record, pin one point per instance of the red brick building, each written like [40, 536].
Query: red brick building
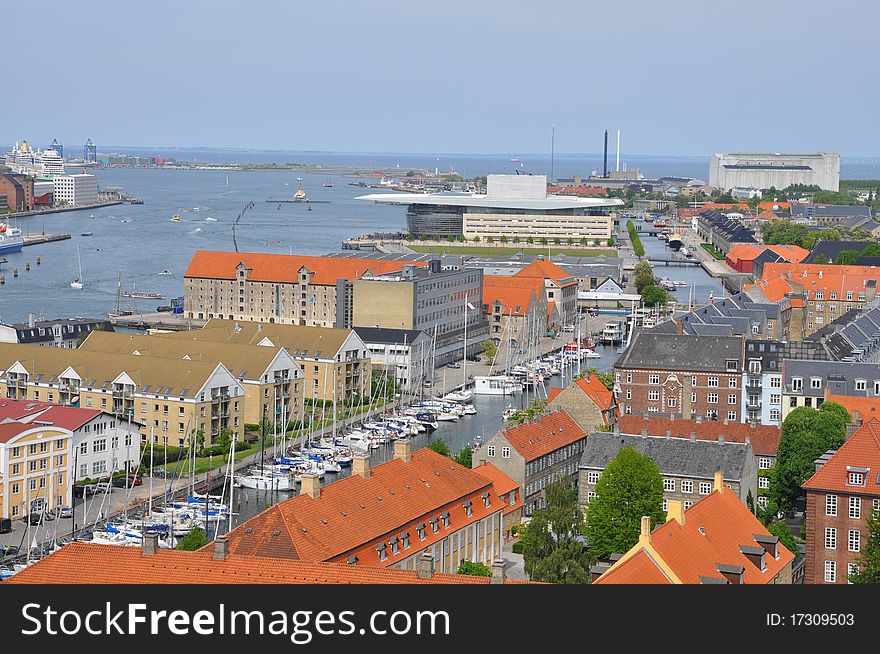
[840, 496]
[16, 192]
[681, 375]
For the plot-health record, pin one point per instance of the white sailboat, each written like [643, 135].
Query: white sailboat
[78, 283]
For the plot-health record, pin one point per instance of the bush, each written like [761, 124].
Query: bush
[517, 547]
[251, 426]
[163, 455]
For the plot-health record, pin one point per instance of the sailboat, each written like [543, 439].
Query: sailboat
[227, 181]
[465, 395]
[78, 283]
[328, 183]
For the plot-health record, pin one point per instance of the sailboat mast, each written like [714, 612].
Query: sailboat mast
[464, 361]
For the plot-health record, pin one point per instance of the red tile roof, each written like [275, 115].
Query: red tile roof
[545, 269]
[744, 252]
[502, 483]
[792, 253]
[819, 277]
[861, 450]
[553, 394]
[514, 295]
[9, 430]
[773, 288]
[714, 530]
[764, 438]
[594, 389]
[67, 417]
[88, 563]
[866, 407]
[352, 514]
[640, 569]
[283, 268]
[545, 435]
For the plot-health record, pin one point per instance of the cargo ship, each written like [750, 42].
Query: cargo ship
[11, 239]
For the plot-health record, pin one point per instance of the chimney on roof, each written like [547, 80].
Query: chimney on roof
[403, 450]
[769, 542]
[426, 566]
[668, 433]
[151, 544]
[645, 532]
[311, 486]
[497, 571]
[360, 465]
[221, 548]
[720, 438]
[675, 511]
[645, 431]
[693, 435]
[699, 419]
[724, 422]
[719, 481]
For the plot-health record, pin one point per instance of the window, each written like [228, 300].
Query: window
[100, 445]
[653, 379]
[875, 504]
[830, 571]
[852, 568]
[688, 504]
[687, 486]
[669, 485]
[653, 396]
[797, 383]
[490, 450]
[665, 504]
[830, 538]
[713, 382]
[831, 505]
[712, 398]
[381, 549]
[815, 382]
[775, 398]
[505, 452]
[855, 479]
[591, 495]
[593, 477]
[693, 397]
[629, 393]
[762, 501]
[855, 507]
[854, 540]
[732, 383]
[731, 399]
[671, 402]
[705, 487]
[763, 482]
[629, 378]
[731, 415]
[694, 380]
[774, 414]
[765, 462]
[16, 468]
[861, 384]
[776, 382]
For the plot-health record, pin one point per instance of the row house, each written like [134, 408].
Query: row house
[560, 288]
[516, 310]
[587, 400]
[35, 468]
[806, 383]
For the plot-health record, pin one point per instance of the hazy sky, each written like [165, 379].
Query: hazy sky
[483, 76]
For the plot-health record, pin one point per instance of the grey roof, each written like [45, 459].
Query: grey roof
[739, 313]
[681, 352]
[831, 211]
[548, 203]
[853, 336]
[838, 376]
[674, 456]
[70, 328]
[728, 228]
[828, 250]
[387, 336]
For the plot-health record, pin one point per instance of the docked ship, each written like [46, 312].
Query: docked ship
[675, 241]
[11, 239]
[25, 161]
[142, 295]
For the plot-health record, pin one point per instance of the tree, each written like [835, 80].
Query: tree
[450, 238]
[474, 569]
[439, 446]
[807, 433]
[551, 545]
[868, 571]
[530, 240]
[465, 457]
[489, 239]
[583, 241]
[779, 529]
[515, 239]
[643, 275]
[605, 378]
[557, 241]
[611, 242]
[194, 540]
[630, 487]
[476, 239]
[490, 350]
[536, 409]
[654, 295]
[504, 239]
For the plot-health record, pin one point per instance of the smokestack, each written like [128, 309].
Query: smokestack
[617, 168]
[605, 158]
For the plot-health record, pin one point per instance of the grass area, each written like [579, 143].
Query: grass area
[708, 247]
[491, 250]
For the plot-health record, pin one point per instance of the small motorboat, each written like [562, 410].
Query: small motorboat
[176, 218]
[166, 272]
[86, 234]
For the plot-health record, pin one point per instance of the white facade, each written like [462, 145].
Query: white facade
[76, 190]
[762, 170]
[410, 362]
[104, 445]
[761, 395]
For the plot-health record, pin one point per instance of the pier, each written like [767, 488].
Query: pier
[38, 239]
[166, 320]
[671, 261]
[43, 212]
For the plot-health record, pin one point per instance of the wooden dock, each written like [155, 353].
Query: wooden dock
[38, 239]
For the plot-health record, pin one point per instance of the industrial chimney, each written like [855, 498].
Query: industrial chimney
[605, 159]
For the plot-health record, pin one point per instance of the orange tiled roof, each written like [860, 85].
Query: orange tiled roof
[283, 268]
[773, 288]
[764, 438]
[553, 394]
[867, 407]
[792, 253]
[353, 513]
[545, 269]
[87, 563]
[640, 569]
[510, 293]
[596, 391]
[861, 450]
[744, 252]
[814, 277]
[714, 530]
[762, 206]
[502, 483]
[545, 435]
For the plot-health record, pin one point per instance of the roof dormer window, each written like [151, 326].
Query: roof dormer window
[468, 508]
[855, 476]
[381, 549]
[420, 530]
[445, 518]
[485, 497]
[395, 544]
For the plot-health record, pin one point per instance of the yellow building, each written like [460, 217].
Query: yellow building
[271, 379]
[170, 398]
[34, 468]
[328, 357]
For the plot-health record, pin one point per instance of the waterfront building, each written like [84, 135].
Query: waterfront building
[63, 332]
[35, 462]
[271, 379]
[587, 401]
[806, 383]
[385, 516]
[841, 495]
[428, 299]
[722, 230]
[102, 443]
[735, 315]
[716, 541]
[513, 206]
[16, 192]
[828, 215]
[560, 287]
[762, 170]
[742, 257]
[404, 353]
[24, 160]
[275, 288]
[335, 362]
[681, 375]
[687, 465]
[517, 312]
[170, 398]
[75, 190]
[536, 454]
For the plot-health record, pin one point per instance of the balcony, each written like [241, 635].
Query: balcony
[754, 403]
[121, 394]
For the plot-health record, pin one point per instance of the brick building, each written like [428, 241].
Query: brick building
[681, 375]
[840, 496]
[16, 192]
[587, 401]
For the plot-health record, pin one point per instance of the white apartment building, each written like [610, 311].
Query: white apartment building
[75, 190]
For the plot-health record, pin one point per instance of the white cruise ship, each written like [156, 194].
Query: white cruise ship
[11, 239]
[25, 161]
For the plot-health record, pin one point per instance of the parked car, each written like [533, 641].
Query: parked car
[65, 512]
[568, 329]
[454, 364]
[33, 518]
[428, 383]
[127, 481]
[474, 357]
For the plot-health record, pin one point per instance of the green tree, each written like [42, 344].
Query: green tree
[611, 242]
[490, 350]
[530, 240]
[504, 239]
[846, 257]
[557, 241]
[439, 446]
[474, 569]
[515, 239]
[450, 238]
[489, 239]
[869, 560]
[551, 545]
[583, 241]
[465, 457]
[653, 295]
[807, 433]
[630, 487]
[779, 529]
[535, 409]
[476, 239]
[643, 275]
[194, 540]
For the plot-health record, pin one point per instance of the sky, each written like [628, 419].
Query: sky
[686, 77]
